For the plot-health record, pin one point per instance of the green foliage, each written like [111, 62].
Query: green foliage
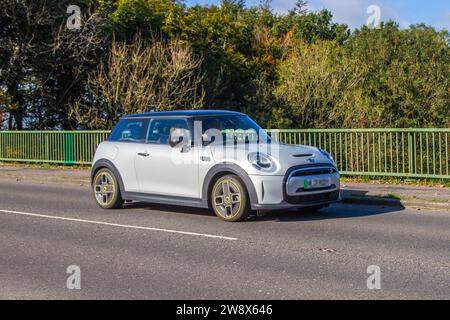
[407, 75]
[221, 36]
[319, 85]
[319, 26]
[43, 65]
[146, 17]
[298, 69]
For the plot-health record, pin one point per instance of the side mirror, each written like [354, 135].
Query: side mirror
[180, 138]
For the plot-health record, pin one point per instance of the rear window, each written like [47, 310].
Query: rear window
[130, 130]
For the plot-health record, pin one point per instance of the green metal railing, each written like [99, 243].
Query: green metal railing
[419, 153]
[62, 147]
[415, 153]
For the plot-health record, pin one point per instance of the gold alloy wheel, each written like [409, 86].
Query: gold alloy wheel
[104, 188]
[106, 191]
[228, 199]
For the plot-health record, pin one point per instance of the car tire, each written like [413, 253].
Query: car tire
[229, 199]
[106, 190]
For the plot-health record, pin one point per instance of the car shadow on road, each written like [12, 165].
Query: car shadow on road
[168, 208]
[335, 211]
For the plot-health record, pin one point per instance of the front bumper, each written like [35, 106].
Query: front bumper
[285, 192]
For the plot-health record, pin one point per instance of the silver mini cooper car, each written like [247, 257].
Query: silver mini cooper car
[211, 159]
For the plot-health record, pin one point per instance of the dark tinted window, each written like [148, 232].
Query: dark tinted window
[159, 132]
[130, 130]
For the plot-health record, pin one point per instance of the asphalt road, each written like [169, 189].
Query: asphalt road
[160, 252]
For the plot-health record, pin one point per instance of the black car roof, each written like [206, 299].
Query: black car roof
[184, 113]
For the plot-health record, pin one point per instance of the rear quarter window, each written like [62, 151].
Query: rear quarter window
[130, 130]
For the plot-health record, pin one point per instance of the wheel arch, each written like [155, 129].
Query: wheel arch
[104, 163]
[220, 170]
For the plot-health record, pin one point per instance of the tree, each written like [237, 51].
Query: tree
[148, 18]
[406, 75]
[20, 31]
[249, 62]
[44, 65]
[4, 105]
[315, 26]
[143, 76]
[222, 36]
[300, 8]
[319, 86]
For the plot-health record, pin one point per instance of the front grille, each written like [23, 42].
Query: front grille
[313, 198]
[313, 172]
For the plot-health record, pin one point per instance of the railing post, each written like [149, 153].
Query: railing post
[47, 147]
[411, 155]
[69, 148]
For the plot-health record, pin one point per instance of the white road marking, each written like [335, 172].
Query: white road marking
[205, 235]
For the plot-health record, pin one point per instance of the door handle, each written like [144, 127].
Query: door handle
[143, 154]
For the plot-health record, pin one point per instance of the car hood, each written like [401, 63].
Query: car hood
[284, 156]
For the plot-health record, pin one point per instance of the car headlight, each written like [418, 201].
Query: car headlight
[260, 160]
[326, 154]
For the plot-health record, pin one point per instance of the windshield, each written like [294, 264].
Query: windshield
[234, 129]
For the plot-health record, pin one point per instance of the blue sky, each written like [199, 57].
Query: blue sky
[353, 12]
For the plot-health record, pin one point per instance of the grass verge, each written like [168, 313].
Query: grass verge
[441, 183]
[44, 165]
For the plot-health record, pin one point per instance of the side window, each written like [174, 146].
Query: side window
[160, 129]
[130, 130]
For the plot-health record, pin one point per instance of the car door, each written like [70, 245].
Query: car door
[125, 141]
[162, 169]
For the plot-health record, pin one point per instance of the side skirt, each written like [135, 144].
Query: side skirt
[161, 199]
